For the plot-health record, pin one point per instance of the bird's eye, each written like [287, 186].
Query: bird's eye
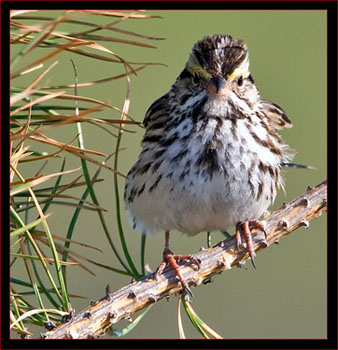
[195, 79]
[240, 81]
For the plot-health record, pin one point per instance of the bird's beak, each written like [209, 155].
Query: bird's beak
[217, 86]
[219, 83]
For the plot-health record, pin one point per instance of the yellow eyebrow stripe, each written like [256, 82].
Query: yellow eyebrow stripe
[242, 70]
[196, 68]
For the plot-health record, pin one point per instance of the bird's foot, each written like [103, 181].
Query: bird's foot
[174, 261]
[244, 228]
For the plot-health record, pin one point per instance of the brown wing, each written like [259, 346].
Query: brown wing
[276, 116]
[157, 112]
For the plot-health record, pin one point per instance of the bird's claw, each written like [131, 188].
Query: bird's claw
[244, 228]
[187, 293]
[173, 260]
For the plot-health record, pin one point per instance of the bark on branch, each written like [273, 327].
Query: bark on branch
[96, 318]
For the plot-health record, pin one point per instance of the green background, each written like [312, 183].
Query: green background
[285, 297]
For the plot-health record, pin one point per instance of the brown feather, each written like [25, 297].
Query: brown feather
[276, 116]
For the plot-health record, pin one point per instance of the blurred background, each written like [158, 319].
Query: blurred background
[285, 297]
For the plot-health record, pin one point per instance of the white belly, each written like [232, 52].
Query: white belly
[190, 198]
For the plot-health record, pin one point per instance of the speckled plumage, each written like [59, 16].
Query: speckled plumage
[211, 155]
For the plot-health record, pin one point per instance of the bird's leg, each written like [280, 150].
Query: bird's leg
[171, 259]
[238, 235]
[245, 229]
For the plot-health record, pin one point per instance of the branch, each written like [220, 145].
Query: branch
[100, 315]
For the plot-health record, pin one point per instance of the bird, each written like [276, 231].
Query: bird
[211, 154]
